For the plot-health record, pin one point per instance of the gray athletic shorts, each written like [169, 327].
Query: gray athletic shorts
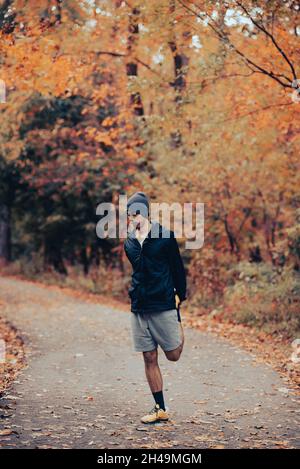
[158, 328]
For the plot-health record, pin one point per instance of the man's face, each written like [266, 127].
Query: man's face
[136, 220]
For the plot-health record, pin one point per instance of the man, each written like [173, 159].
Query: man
[158, 288]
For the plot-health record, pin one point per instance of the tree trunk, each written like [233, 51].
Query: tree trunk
[180, 61]
[84, 260]
[131, 65]
[53, 256]
[5, 234]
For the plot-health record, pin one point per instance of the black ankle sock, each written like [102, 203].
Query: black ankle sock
[159, 399]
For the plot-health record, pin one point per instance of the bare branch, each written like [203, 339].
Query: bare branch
[119, 54]
[265, 31]
[254, 111]
[249, 63]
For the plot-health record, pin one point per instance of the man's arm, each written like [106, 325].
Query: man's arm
[177, 267]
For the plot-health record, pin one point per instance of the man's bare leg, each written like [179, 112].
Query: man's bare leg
[155, 381]
[152, 370]
[154, 377]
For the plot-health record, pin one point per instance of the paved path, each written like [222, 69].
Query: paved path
[84, 386]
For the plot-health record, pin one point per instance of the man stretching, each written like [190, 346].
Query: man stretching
[158, 287]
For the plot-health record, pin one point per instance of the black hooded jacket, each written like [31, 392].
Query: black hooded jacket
[158, 271]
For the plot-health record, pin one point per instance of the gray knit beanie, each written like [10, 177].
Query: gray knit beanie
[138, 203]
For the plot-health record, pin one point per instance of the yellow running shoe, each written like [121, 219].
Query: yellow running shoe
[155, 415]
